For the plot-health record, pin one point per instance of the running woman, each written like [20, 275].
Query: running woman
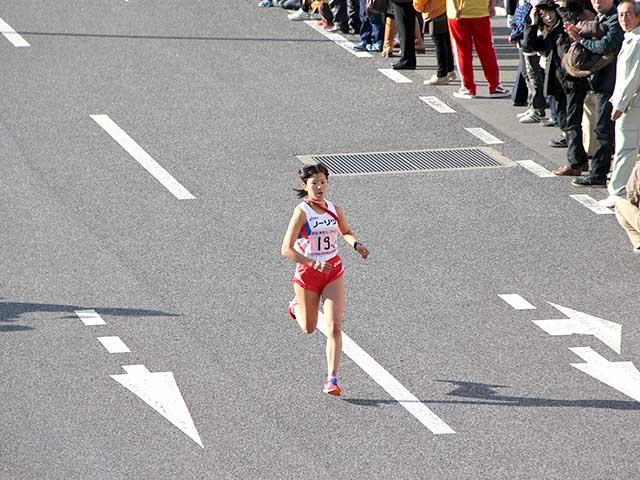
[312, 242]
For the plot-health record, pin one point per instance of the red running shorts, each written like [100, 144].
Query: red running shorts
[314, 280]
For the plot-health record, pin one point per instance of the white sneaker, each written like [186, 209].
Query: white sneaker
[525, 113]
[451, 75]
[500, 92]
[299, 15]
[532, 117]
[463, 93]
[610, 201]
[436, 80]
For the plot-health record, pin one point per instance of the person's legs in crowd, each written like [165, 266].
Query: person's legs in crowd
[588, 125]
[340, 16]
[601, 162]
[576, 156]
[535, 84]
[520, 92]
[444, 55]
[326, 16]
[366, 28]
[628, 216]
[552, 121]
[462, 48]
[483, 43]
[291, 4]
[627, 140]
[418, 34]
[389, 35]
[406, 19]
[302, 13]
[353, 12]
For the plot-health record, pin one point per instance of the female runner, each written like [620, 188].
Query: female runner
[312, 242]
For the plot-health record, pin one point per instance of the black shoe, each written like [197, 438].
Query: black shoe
[520, 104]
[588, 182]
[403, 65]
[344, 28]
[558, 143]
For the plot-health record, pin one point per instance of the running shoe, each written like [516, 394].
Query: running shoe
[292, 308]
[463, 93]
[500, 92]
[299, 16]
[332, 387]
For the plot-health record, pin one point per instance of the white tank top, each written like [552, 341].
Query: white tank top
[321, 240]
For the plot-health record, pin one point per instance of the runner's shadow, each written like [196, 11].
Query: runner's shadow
[12, 311]
[486, 394]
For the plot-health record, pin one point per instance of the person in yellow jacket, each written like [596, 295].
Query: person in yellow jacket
[434, 13]
[470, 27]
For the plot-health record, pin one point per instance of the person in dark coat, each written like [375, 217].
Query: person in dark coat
[406, 19]
[602, 83]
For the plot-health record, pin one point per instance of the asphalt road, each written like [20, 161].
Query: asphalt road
[224, 96]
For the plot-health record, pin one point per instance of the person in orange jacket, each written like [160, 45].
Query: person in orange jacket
[434, 13]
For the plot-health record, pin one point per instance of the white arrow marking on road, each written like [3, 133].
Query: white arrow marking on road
[610, 333]
[623, 376]
[160, 391]
[393, 387]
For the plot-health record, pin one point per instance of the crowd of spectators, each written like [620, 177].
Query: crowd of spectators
[579, 60]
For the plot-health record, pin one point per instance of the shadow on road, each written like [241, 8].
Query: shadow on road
[12, 311]
[485, 394]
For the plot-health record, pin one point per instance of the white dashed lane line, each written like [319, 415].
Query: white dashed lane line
[90, 317]
[11, 35]
[394, 75]
[142, 157]
[483, 135]
[338, 40]
[536, 169]
[393, 387]
[114, 345]
[437, 104]
[592, 205]
[516, 301]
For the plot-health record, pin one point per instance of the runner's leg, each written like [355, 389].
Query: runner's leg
[334, 302]
[308, 303]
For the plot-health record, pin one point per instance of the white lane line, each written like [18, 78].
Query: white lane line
[437, 104]
[11, 35]
[536, 169]
[592, 205]
[516, 301]
[142, 157]
[483, 135]
[338, 40]
[90, 317]
[394, 75]
[114, 345]
[394, 388]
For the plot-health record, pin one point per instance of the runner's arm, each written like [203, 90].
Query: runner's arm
[296, 223]
[348, 235]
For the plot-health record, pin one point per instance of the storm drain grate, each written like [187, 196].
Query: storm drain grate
[409, 161]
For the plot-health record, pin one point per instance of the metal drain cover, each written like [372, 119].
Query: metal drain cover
[410, 161]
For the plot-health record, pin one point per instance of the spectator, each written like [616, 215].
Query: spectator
[530, 66]
[406, 21]
[371, 30]
[627, 211]
[434, 14]
[601, 82]
[470, 27]
[389, 33]
[346, 13]
[625, 102]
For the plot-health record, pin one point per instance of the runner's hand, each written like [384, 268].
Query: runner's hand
[324, 267]
[362, 250]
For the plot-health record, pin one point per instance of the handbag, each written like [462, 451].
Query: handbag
[376, 7]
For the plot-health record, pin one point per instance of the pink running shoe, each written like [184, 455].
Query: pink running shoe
[292, 305]
[332, 387]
